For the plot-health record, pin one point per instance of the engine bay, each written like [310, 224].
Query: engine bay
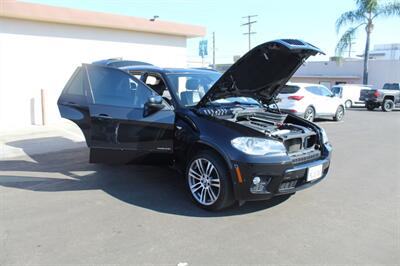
[295, 137]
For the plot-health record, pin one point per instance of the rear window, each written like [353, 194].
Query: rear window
[288, 89]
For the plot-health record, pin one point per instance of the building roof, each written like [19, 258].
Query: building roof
[327, 76]
[45, 13]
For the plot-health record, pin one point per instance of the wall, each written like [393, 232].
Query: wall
[36, 55]
[380, 72]
[325, 81]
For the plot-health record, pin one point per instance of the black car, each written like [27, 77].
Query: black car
[217, 129]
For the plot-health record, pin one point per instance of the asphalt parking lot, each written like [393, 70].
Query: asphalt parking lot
[58, 209]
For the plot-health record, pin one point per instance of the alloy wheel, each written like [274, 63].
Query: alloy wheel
[204, 181]
[309, 115]
[339, 113]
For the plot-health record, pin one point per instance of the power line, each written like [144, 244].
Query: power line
[248, 24]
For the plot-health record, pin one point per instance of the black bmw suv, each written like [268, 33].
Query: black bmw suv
[219, 130]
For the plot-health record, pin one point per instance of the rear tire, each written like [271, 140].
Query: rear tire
[309, 114]
[387, 105]
[339, 114]
[370, 106]
[208, 181]
[348, 104]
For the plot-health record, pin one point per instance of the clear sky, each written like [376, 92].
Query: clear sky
[309, 20]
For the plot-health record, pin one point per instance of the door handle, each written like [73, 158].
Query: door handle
[104, 116]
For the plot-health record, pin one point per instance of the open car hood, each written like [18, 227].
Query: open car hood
[262, 72]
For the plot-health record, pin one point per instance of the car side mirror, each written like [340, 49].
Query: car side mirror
[153, 105]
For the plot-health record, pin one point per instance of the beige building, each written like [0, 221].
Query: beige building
[40, 46]
[330, 73]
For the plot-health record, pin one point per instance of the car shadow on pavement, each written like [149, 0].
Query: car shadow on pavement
[155, 188]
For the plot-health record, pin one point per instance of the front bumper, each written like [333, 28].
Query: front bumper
[280, 178]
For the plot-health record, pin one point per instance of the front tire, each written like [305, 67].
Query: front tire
[339, 114]
[309, 114]
[387, 105]
[208, 181]
[348, 104]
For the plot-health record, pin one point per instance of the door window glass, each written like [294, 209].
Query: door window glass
[325, 92]
[336, 91]
[157, 83]
[115, 87]
[137, 75]
[314, 90]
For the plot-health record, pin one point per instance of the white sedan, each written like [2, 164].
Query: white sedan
[310, 101]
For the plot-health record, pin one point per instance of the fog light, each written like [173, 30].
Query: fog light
[256, 180]
[259, 185]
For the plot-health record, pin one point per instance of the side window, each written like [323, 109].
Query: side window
[336, 91]
[75, 90]
[75, 84]
[157, 83]
[325, 92]
[115, 87]
[314, 90]
[137, 75]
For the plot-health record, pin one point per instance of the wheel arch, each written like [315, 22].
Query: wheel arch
[390, 97]
[313, 107]
[203, 145]
[348, 100]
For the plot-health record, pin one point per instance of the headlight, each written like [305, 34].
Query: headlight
[257, 146]
[325, 139]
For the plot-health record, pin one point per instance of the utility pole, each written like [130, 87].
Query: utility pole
[248, 24]
[213, 50]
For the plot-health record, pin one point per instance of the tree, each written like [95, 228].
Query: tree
[365, 15]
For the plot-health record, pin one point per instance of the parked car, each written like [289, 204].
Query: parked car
[217, 129]
[350, 94]
[310, 101]
[388, 97]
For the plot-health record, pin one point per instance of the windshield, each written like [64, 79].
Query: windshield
[191, 87]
